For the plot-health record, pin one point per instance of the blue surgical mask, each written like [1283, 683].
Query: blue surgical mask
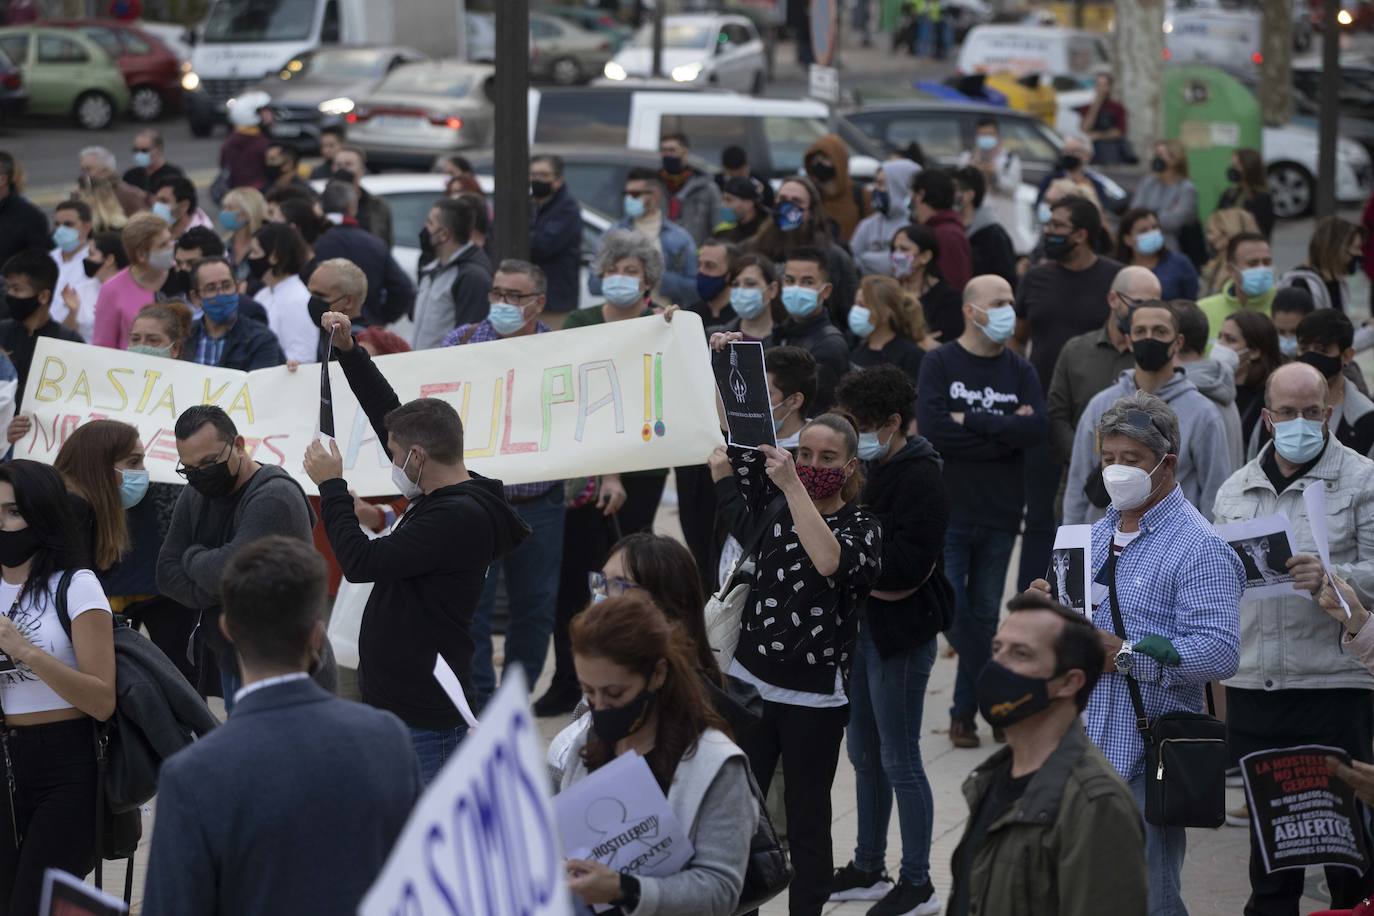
[1001, 322]
[1042, 212]
[1256, 281]
[799, 301]
[1299, 440]
[505, 318]
[870, 448]
[229, 221]
[221, 309]
[66, 238]
[779, 421]
[726, 216]
[788, 216]
[132, 487]
[1288, 344]
[1149, 242]
[163, 210]
[634, 207]
[621, 290]
[860, 322]
[708, 288]
[747, 303]
[987, 142]
[142, 160]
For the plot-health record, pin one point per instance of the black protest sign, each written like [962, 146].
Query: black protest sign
[326, 394]
[743, 385]
[1301, 814]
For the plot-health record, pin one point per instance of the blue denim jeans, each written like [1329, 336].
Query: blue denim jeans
[434, 746]
[1164, 851]
[976, 561]
[531, 575]
[886, 698]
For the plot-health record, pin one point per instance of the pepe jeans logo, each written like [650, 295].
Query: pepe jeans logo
[1002, 710]
[987, 398]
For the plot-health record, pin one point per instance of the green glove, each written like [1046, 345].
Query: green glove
[1160, 649]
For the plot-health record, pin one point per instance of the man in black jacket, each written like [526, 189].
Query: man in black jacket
[30, 285]
[226, 334]
[991, 246]
[22, 225]
[428, 574]
[390, 294]
[555, 236]
[806, 288]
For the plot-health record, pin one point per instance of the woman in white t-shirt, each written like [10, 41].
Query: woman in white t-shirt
[51, 686]
[276, 256]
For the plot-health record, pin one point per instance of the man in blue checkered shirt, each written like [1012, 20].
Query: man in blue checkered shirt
[1177, 582]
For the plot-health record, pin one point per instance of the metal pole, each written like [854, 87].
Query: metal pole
[511, 168]
[1331, 86]
[658, 39]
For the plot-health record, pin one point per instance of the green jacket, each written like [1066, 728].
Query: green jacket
[1218, 306]
[1072, 845]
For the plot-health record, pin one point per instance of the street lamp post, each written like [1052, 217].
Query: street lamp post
[510, 168]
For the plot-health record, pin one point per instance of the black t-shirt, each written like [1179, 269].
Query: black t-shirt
[1004, 792]
[1059, 304]
[943, 306]
[902, 352]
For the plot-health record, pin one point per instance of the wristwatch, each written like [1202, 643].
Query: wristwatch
[1125, 657]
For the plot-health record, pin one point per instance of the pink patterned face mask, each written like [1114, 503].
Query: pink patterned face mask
[820, 483]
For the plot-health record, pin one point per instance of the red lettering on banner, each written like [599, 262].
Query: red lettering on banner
[162, 446]
[267, 444]
[508, 447]
[436, 388]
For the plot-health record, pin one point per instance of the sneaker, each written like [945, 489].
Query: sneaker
[963, 733]
[853, 883]
[907, 899]
[1233, 780]
[558, 700]
[1238, 817]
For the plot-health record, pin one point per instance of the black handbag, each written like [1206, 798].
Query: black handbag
[1185, 754]
[768, 872]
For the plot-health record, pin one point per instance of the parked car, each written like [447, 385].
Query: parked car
[423, 110]
[1290, 159]
[717, 50]
[1231, 28]
[14, 97]
[66, 74]
[596, 20]
[151, 69]
[565, 53]
[322, 87]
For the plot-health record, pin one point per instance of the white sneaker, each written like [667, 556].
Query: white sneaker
[1238, 817]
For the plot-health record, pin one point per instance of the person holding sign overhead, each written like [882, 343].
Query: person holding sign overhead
[647, 698]
[1298, 681]
[428, 574]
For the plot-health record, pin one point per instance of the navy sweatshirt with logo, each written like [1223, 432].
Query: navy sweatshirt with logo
[984, 455]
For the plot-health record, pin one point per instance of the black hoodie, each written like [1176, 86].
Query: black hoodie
[428, 573]
[907, 493]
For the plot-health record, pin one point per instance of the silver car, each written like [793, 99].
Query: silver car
[424, 110]
[561, 52]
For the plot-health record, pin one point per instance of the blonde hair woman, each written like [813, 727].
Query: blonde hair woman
[242, 213]
[1222, 226]
[890, 325]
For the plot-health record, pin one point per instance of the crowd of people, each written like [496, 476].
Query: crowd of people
[934, 397]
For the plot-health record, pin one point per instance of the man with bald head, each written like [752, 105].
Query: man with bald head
[336, 285]
[1297, 684]
[1204, 458]
[981, 407]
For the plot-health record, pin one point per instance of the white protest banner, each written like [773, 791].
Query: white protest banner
[482, 838]
[627, 396]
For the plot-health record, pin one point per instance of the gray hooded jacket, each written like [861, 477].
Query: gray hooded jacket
[873, 236]
[1219, 385]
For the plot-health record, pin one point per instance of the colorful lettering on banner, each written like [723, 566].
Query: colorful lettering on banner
[545, 407]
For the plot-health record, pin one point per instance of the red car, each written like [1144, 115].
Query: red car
[151, 70]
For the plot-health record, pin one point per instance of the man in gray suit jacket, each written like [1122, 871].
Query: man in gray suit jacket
[293, 805]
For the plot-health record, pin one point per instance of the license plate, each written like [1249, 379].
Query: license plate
[397, 122]
[285, 129]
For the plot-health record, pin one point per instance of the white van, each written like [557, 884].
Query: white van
[1070, 56]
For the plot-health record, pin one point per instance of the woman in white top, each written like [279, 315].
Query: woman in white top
[51, 686]
[276, 257]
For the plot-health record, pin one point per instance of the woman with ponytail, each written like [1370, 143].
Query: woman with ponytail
[639, 675]
[819, 555]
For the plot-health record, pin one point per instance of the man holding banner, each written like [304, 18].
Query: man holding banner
[428, 574]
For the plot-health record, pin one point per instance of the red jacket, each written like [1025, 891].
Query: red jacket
[956, 260]
[243, 154]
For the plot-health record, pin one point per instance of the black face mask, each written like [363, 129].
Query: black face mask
[1123, 324]
[1355, 264]
[317, 307]
[1096, 490]
[619, 722]
[92, 267]
[178, 283]
[541, 189]
[17, 547]
[1070, 163]
[256, 267]
[426, 246]
[21, 309]
[1157, 164]
[822, 171]
[1233, 175]
[1150, 354]
[272, 172]
[672, 165]
[1328, 366]
[1005, 697]
[1057, 246]
[345, 175]
[213, 482]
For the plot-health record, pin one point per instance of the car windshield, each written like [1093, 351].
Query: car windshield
[341, 65]
[676, 36]
[429, 80]
[259, 20]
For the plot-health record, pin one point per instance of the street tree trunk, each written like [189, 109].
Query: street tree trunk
[1276, 72]
[1140, 70]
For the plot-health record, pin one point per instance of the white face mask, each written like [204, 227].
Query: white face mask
[1129, 487]
[408, 488]
[1229, 359]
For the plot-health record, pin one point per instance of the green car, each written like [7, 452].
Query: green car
[67, 73]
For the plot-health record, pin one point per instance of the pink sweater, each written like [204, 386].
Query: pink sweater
[120, 300]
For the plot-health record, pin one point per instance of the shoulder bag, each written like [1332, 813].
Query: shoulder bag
[1185, 754]
[768, 871]
[724, 610]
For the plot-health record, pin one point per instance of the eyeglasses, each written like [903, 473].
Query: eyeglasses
[183, 471]
[215, 289]
[614, 587]
[644, 193]
[1284, 414]
[495, 295]
[143, 149]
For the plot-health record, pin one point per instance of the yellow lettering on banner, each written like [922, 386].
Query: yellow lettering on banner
[45, 383]
[115, 384]
[243, 401]
[212, 397]
[489, 449]
[150, 377]
[168, 398]
[82, 389]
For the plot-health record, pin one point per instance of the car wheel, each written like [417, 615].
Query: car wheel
[146, 104]
[759, 81]
[93, 111]
[565, 72]
[1292, 188]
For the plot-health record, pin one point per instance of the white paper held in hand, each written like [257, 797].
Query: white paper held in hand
[454, 688]
[1314, 501]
